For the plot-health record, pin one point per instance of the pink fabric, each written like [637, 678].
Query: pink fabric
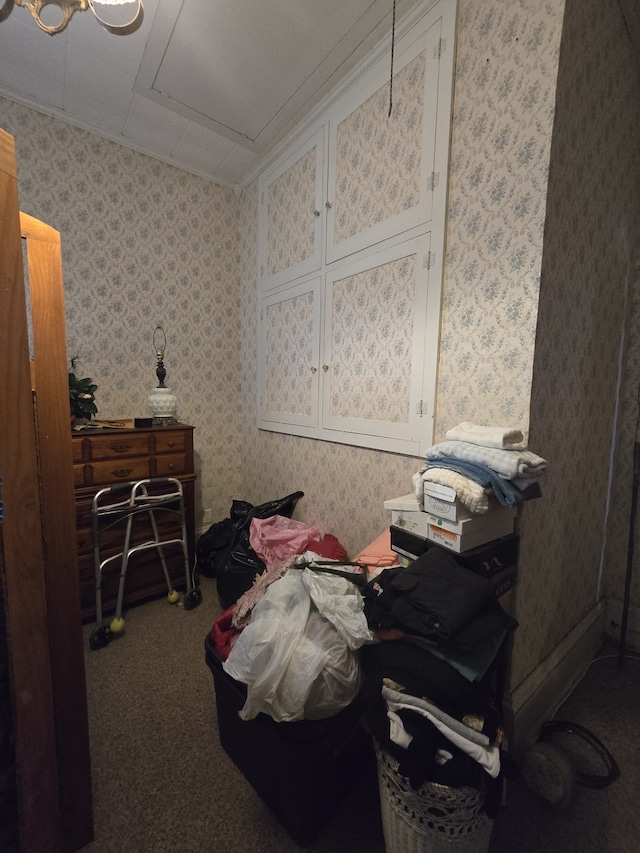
[378, 553]
[276, 538]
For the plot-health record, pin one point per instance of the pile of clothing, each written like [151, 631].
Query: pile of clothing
[434, 679]
[483, 462]
[292, 639]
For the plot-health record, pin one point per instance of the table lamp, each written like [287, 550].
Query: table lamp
[162, 402]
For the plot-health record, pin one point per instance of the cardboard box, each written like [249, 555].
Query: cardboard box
[453, 510]
[500, 516]
[461, 542]
[504, 580]
[489, 559]
[435, 490]
[412, 522]
[406, 503]
[485, 560]
[408, 544]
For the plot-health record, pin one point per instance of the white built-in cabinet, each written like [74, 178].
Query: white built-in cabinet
[351, 241]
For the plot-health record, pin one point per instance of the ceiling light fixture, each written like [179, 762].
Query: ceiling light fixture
[66, 8]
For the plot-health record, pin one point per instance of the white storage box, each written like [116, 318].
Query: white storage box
[406, 503]
[435, 490]
[501, 515]
[453, 510]
[460, 542]
[412, 522]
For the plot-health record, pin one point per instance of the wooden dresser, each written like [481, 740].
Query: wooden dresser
[108, 456]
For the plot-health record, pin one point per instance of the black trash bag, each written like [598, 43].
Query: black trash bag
[211, 548]
[239, 564]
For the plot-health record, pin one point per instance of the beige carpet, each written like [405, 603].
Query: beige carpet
[162, 782]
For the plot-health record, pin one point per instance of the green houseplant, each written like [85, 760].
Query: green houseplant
[81, 395]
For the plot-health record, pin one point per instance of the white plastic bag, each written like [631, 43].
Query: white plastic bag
[296, 663]
[340, 603]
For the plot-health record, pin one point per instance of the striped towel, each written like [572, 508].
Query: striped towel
[506, 463]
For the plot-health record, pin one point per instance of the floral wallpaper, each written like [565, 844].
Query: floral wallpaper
[289, 343]
[291, 200]
[369, 187]
[369, 370]
[503, 115]
[587, 287]
[143, 243]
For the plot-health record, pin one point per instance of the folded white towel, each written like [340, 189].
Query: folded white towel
[469, 493]
[488, 436]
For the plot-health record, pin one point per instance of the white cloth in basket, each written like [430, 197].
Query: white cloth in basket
[475, 744]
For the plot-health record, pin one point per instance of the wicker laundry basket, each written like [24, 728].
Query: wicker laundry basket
[433, 819]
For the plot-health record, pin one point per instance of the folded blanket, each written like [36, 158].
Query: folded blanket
[504, 490]
[506, 463]
[488, 436]
[468, 492]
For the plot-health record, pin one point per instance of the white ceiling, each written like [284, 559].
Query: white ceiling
[207, 85]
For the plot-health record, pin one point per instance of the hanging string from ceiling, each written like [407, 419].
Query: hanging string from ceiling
[393, 44]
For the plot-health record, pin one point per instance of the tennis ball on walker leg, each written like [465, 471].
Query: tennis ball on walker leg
[173, 597]
[117, 625]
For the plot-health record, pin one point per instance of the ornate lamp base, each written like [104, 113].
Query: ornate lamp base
[163, 405]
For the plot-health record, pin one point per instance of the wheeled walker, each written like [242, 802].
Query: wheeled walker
[124, 502]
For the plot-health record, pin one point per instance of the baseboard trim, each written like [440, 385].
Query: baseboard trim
[536, 698]
[614, 623]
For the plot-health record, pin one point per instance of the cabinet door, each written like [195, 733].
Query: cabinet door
[289, 356]
[291, 221]
[375, 336]
[381, 166]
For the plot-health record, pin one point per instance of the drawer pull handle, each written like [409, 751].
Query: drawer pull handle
[122, 472]
[120, 448]
[171, 466]
[171, 443]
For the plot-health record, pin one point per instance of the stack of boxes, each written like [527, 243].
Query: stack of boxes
[485, 544]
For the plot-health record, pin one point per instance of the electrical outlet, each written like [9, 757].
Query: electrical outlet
[207, 516]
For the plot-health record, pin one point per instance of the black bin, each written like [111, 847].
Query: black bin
[301, 769]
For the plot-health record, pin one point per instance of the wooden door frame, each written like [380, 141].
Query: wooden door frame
[50, 384]
[21, 540]
[37, 567]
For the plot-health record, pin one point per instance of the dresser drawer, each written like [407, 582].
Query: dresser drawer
[84, 514]
[110, 446]
[112, 538]
[144, 580]
[110, 472]
[169, 465]
[172, 441]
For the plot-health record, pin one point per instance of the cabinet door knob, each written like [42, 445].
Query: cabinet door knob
[313, 369]
[120, 448]
[325, 367]
[316, 213]
[328, 205]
